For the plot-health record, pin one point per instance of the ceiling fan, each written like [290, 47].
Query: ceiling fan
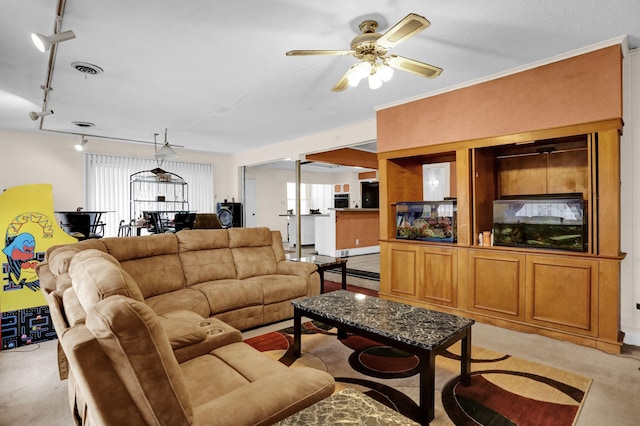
[371, 49]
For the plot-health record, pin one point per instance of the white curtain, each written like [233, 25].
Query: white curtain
[106, 185]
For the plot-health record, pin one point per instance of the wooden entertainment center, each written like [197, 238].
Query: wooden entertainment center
[573, 296]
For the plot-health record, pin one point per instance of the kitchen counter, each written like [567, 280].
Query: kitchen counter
[307, 228]
[348, 232]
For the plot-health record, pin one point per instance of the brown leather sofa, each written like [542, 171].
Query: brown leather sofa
[233, 278]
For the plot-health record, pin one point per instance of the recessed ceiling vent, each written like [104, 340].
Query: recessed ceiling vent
[87, 68]
[82, 124]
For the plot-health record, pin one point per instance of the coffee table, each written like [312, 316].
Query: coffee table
[347, 407]
[422, 332]
[326, 263]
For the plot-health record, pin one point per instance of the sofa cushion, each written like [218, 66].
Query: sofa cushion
[73, 310]
[205, 255]
[152, 260]
[183, 299]
[249, 237]
[202, 239]
[254, 261]
[59, 257]
[131, 335]
[131, 248]
[278, 288]
[96, 275]
[227, 295]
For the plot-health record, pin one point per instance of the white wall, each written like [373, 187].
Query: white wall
[41, 157]
[630, 203]
[271, 192]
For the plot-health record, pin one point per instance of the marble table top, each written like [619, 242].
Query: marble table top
[320, 260]
[419, 327]
[347, 407]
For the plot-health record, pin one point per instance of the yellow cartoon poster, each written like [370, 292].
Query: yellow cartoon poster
[28, 228]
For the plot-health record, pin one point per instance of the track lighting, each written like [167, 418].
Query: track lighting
[80, 146]
[43, 43]
[35, 115]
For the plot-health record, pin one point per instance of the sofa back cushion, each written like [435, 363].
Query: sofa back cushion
[252, 251]
[205, 255]
[96, 275]
[59, 257]
[152, 261]
[130, 334]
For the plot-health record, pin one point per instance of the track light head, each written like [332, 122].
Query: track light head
[34, 115]
[80, 146]
[43, 43]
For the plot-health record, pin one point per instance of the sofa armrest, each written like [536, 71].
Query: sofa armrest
[181, 329]
[188, 340]
[273, 398]
[303, 269]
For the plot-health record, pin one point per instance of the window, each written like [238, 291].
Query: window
[106, 185]
[312, 197]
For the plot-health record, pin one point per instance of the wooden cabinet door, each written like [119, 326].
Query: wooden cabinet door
[562, 293]
[438, 270]
[497, 283]
[400, 272]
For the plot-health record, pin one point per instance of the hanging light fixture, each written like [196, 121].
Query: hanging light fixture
[374, 80]
[376, 73]
[80, 146]
[359, 71]
[385, 71]
[165, 152]
[43, 43]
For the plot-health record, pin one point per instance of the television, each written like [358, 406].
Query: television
[370, 193]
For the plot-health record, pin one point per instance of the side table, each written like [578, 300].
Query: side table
[326, 263]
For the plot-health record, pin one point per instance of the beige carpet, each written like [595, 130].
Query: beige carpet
[505, 389]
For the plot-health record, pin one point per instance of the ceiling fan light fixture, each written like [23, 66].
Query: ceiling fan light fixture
[43, 43]
[354, 79]
[385, 72]
[375, 82]
[363, 69]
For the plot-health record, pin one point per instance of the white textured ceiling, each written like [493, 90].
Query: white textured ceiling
[215, 73]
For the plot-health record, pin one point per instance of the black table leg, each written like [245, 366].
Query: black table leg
[297, 332]
[465, 358]
[427, 371]
[321, 273]
[344, 275]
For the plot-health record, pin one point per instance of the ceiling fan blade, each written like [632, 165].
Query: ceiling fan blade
[411, 25]
[414, 67]
[343, 83]
[319, 52]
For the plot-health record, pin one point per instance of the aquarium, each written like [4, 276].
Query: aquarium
[426, 220]
[540, 221]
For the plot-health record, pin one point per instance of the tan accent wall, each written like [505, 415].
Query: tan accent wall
[582, 89]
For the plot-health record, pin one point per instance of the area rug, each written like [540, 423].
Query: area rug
[504, 390]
